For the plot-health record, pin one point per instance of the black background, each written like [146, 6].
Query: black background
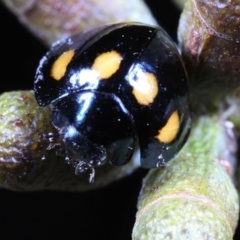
[108, 213]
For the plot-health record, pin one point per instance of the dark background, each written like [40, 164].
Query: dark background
[108, 213]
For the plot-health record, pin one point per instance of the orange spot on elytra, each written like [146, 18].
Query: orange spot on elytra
[106, 64]
[145, 88]
[169, 132]
[59, 67]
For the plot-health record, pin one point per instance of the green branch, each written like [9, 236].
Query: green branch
[193, 197]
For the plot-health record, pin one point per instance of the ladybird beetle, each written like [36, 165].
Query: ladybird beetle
[115, 89]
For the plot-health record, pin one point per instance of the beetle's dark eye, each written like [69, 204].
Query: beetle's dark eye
[115, 88]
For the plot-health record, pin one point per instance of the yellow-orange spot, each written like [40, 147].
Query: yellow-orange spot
[59, 67]
[169, 132]
[106, 64]
[145, 88]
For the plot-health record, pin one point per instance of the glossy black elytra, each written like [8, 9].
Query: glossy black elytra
[115, 88]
